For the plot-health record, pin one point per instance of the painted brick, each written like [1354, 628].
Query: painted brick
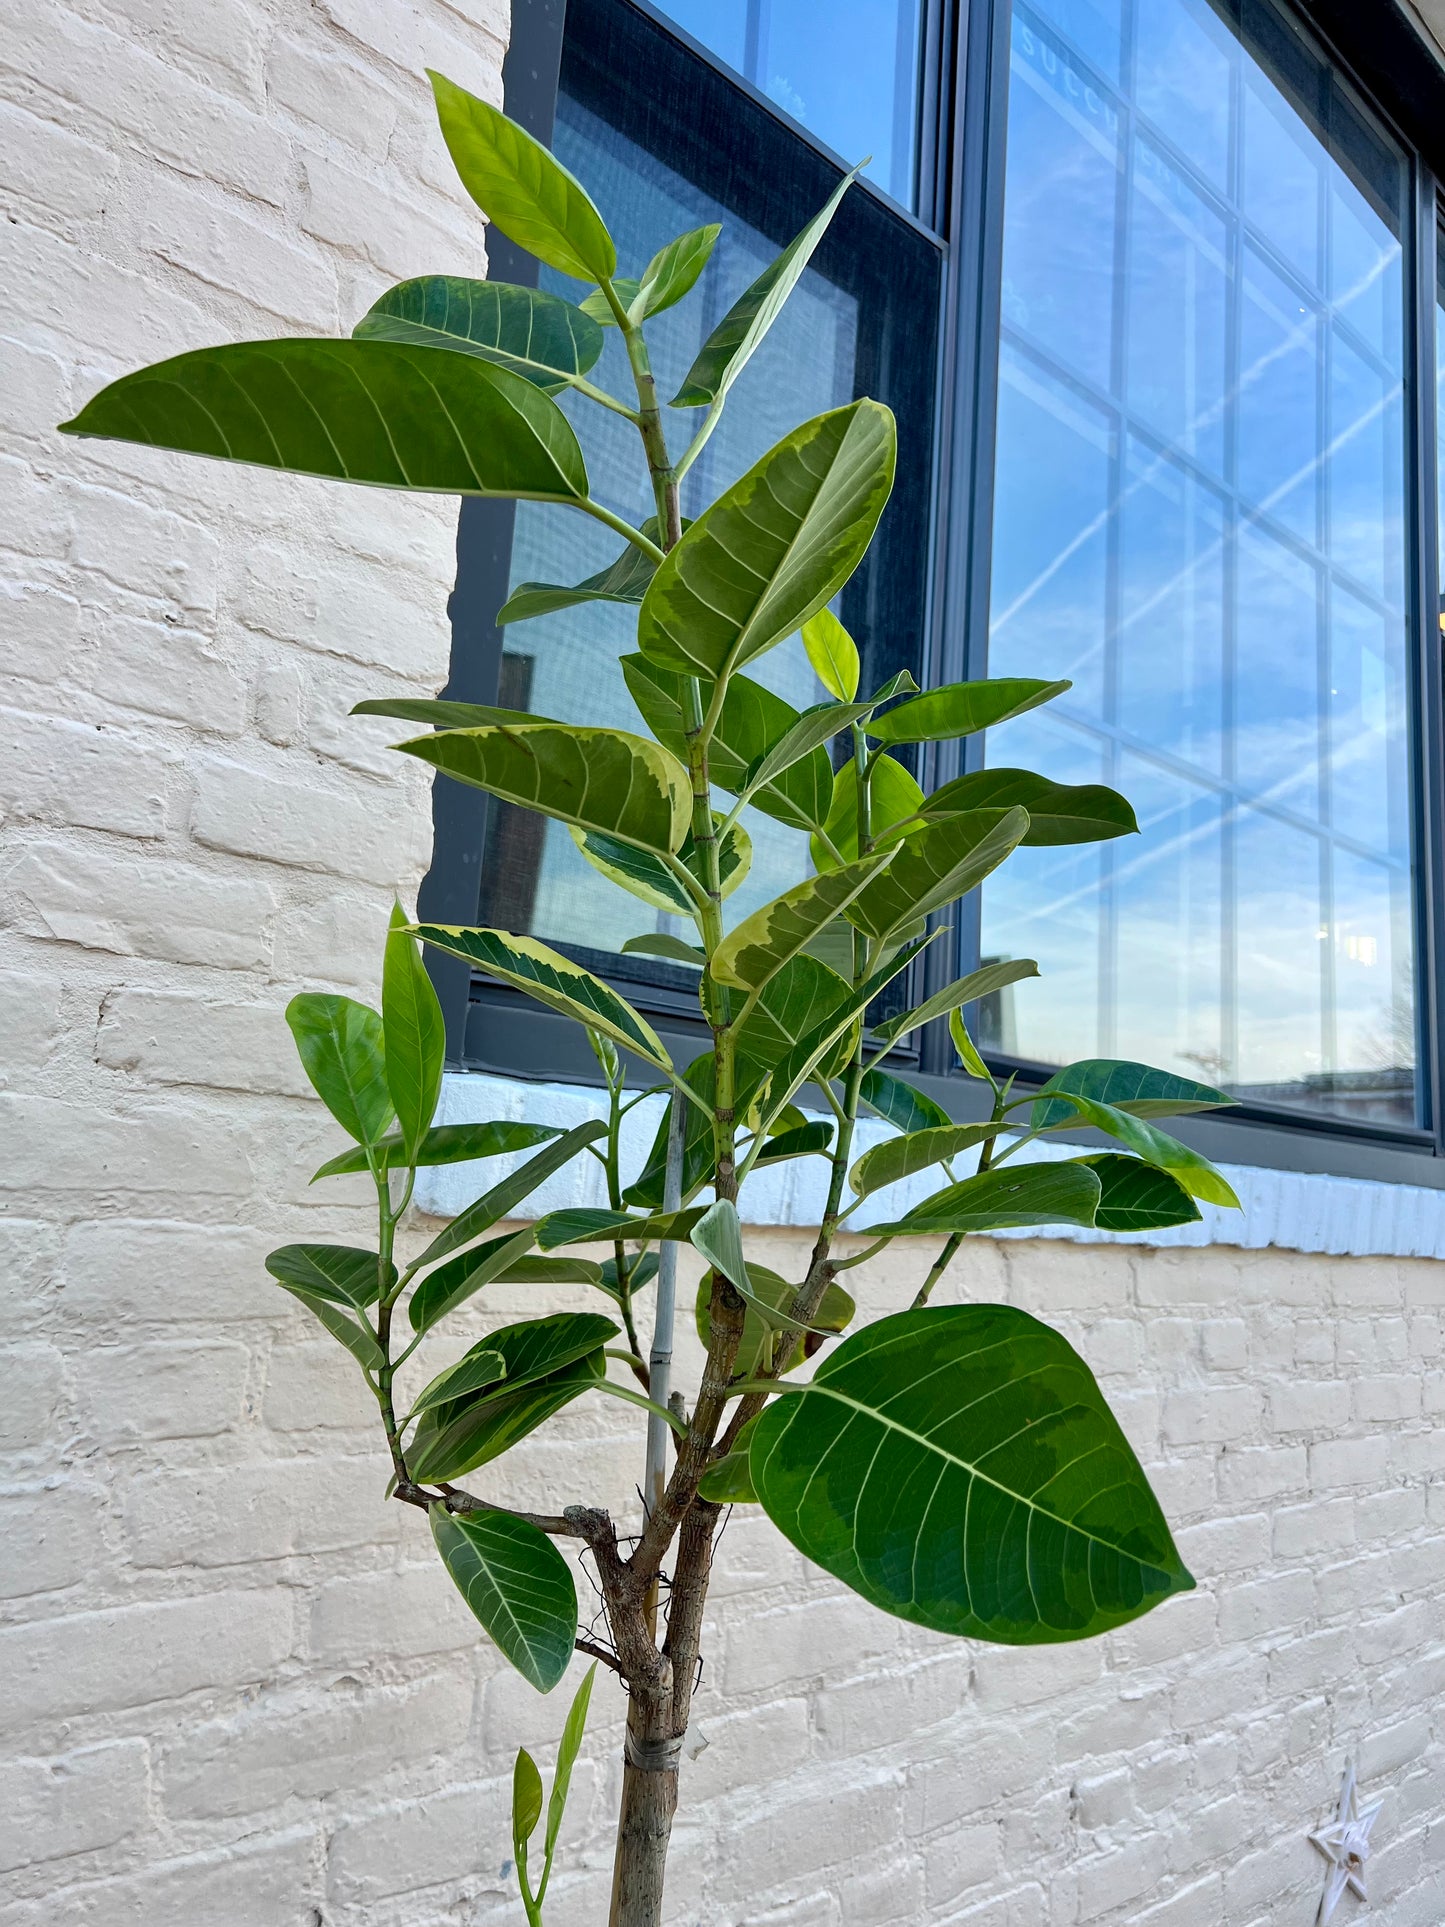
[165, 1037]
[316, 826]
[31, 1412]
[256, 1512]
[84, 1800]
[156, 1151]
[59, 772]
[101, 900]
[120, 1273]
[161, 1391]
[129, 1656]
[52, 1537]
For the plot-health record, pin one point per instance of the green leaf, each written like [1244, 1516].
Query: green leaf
[834, 1314]
[624, 580]
[379, 412]
[963, 990]
[353, 1332]
[597, 779]
[340, 1045]
[934, 867]
[900, 1157]
[791, 1004]
[1197, 1175]
[814, 727]
[1136, 1088]
[774, 547]
[657, 943]
[1003, 1199]
[810, 1055]
[625, 286]
[900, 1104]
[503, 1198]
[446, 715]
[445, 1144]
[762, 943]
[668, 276]
[414, 1033]
[470, 1374]
[521, 187]
[342, 1274]
[968, 1054]
[526, 1803]
[538, 1348]
[538, 336]
[735, 339]
[958, 1466]
[833, 654]
[553, 1271]
[553, 980]
[1058, 812]
[598, 1225]
[1135, 1196]
[751, 720]
[568, 1749]
[893, 797]
[962, 708]
[807, 1141]
[462, 1277]
[483, 1428]
[730, 1481]
[699, 1152]
[647, 876]
[517, 1584]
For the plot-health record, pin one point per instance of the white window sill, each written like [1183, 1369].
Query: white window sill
[1290, 1210]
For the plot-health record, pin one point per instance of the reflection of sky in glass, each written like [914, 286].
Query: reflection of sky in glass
[847, 69]
[1199, 517]
[804, 366]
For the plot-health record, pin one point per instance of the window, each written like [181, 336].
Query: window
[1141, 280]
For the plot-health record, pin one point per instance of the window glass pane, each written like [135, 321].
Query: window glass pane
[657, 171]
[1199, 516]
[847, 69]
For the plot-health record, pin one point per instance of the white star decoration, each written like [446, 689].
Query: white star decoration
[1345, 1843]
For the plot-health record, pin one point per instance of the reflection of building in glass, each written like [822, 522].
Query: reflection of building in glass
[1199, 518]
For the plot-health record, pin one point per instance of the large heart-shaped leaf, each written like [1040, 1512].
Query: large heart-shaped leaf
[516, 1583]
[774, 547]
[735, 339]
[958, 1466]
[445, 1144]
[751, 720]
[1004, 1199]
[519, 185]
[962, 708]
[605, 780]
[1198, 1176]
[1136, 1088]
[762, 943]
[1134, 1196]
[935, 866]
[447, 1448]
[380, 412]
[340, 1045]
[901, 1157]
[538, 336]
[553, 980]
[414, 1031]
[1058, 812]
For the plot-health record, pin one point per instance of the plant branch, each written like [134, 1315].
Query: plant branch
[622, 527]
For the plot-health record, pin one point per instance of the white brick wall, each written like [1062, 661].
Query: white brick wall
[235, 1688]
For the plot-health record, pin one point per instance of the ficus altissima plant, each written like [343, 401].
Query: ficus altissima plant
[954, 1464]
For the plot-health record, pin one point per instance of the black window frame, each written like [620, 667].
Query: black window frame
[962, 127]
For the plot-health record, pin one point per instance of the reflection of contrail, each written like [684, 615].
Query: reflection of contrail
[1294, 338]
